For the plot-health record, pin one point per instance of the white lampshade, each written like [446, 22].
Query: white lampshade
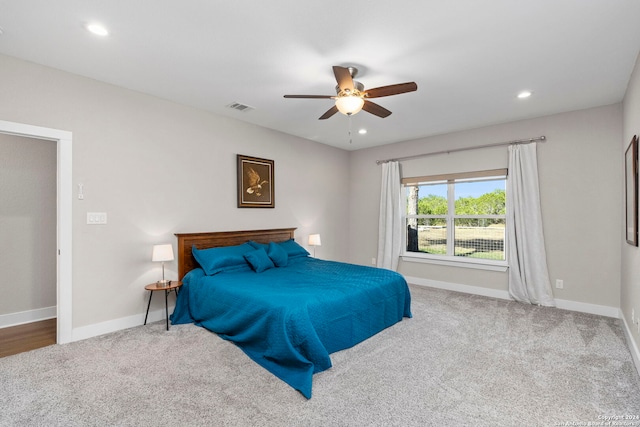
[162, 253]
[314, 240]
[349, 104]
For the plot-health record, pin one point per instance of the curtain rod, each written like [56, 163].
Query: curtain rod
[497, 144]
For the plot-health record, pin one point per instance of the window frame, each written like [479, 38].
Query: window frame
[449, 259]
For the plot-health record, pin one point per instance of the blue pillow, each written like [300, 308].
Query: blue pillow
[259, 260]
[257, 245]
[226, 258]
[293, 249]
[278, 255]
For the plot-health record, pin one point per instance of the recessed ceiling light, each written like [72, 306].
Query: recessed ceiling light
[524, 94]
[97, 29]
[362, 131]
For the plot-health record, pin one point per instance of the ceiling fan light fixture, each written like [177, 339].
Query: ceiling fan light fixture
[349, 105]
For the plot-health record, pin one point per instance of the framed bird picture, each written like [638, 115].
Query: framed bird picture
[255, 182]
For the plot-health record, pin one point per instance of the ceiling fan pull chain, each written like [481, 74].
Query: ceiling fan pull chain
[350, 138]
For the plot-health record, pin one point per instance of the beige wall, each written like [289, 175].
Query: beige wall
[580, 181]
[630, 292]
[158, 168]
[27, 224]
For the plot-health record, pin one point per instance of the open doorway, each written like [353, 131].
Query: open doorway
[63, 141]
[28, 227]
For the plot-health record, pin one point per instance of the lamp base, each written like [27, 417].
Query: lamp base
[163, 283]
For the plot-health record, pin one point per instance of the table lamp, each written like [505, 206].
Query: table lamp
[314, 240]
[162, 253]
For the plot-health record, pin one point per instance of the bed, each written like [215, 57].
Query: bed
[287, 316]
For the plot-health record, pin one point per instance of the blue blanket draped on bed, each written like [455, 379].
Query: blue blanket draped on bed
[288, 320]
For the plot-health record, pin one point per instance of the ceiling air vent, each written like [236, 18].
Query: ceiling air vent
[240, 107]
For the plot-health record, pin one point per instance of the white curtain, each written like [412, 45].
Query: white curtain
[526, 255]
[389, 227]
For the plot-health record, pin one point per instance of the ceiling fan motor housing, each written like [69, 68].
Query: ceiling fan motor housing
[357, 86]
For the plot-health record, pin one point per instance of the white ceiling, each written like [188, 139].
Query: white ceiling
[469, 58]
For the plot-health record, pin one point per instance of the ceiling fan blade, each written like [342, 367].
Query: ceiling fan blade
[310, 96]
[397, 89]
[375, 109]
[330, 112]
[343, 77]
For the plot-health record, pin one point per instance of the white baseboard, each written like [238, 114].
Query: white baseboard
[583, 307]
[29, 316]
[456, 287]
[84, 332]
[631, 343]
[109, 326]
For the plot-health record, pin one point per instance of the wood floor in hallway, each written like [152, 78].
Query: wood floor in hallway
[17, 339]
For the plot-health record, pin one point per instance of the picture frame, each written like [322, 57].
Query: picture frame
[631, 191]
[256, 185]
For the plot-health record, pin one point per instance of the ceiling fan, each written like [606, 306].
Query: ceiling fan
[352, 97]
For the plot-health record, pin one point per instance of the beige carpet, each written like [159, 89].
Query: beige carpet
[461, 361]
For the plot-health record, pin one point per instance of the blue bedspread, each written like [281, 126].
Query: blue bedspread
[290, 319]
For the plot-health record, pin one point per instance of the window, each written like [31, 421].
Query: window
[456, 217]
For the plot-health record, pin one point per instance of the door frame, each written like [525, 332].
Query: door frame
[64, 233]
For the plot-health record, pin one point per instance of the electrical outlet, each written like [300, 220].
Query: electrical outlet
[559, 284]
[373, 261]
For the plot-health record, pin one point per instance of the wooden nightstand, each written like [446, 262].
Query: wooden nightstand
[172, 286]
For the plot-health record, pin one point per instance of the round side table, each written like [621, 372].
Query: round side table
[171, 286]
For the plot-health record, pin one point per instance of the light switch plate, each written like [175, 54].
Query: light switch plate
[96, 218]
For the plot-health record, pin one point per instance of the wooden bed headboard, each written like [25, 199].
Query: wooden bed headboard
[186, 261]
